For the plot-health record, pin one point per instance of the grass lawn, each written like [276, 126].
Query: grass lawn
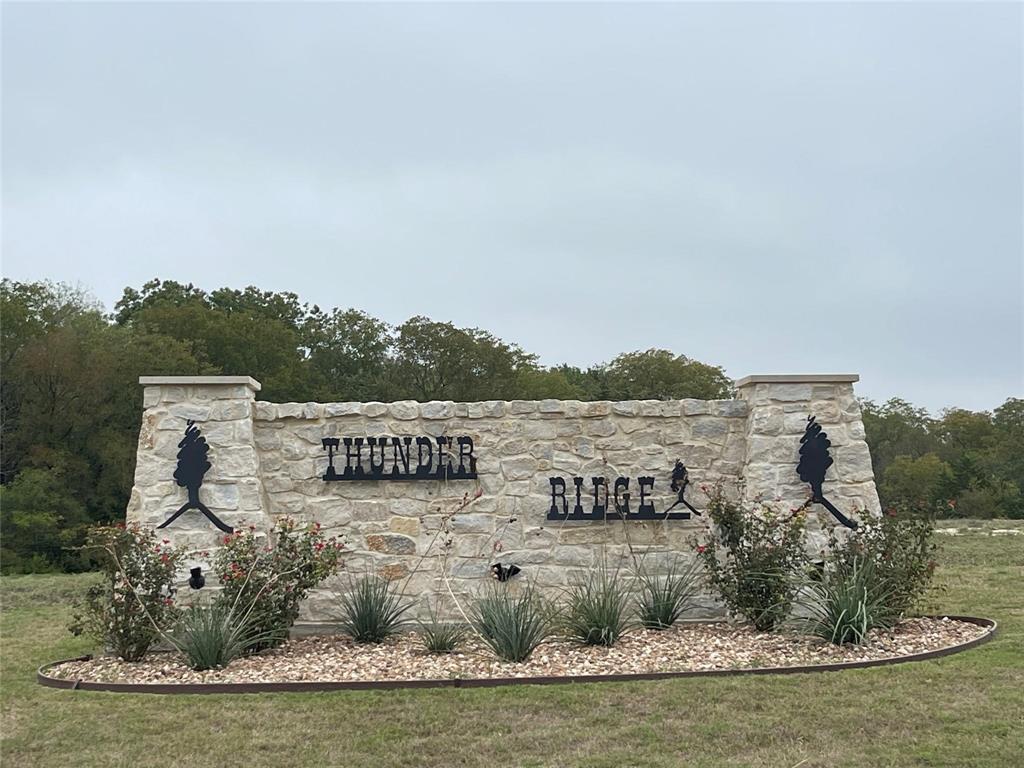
[964, 710]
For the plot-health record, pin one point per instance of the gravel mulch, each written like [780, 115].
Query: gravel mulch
[686, 647]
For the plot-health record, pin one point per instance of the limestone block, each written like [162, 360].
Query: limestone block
[472, 523]
[171, 424]
[695, 407]
[591, 410]
[332, 410]
[786, 392]
[766, 421]
[853, 463]
[173, 394]
[437, 410]
[267, 440]
[603, 428]
[150, 397]
[262, 411]
[404, 410]
[373, 410]
[517, 407]
[731, 409]
[709, 428]
[408, 526]
[391, 544]
[629, 426]
[794, 423]
[574, 555]
[220, 495]
[824, 412]
[367, 511]
[627, 408]
[539, 430]
[289, 411]
[393, 572]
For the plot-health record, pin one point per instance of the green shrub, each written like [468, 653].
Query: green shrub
[372, 610]
[847, 601]
[441, 636]
[211, 637]
[752, 559]
[273, 576]
[597, 611]
[134, 604]
[901, 549]
[512, 624]
[662, 599]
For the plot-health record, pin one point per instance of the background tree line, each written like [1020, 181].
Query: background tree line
[70, 399]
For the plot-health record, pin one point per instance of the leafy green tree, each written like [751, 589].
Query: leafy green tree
[658, 374]
[42, 519]
[349, 355]
[437, 361]
[922, 481]
[896, 428]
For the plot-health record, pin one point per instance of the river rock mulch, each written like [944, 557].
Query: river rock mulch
[686, 647]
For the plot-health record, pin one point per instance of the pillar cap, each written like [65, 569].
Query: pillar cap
[798, 378]
[202, 381]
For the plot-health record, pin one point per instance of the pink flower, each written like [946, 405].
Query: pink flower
[701, 549]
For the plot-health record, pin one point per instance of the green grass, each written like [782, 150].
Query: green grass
[964, 710]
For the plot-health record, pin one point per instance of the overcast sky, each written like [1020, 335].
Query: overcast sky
[772, 188]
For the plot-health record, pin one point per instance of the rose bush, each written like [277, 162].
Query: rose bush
[267, 579]
[751, 557]
[901, 549]
[134, 603]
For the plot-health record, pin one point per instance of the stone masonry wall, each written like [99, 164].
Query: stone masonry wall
[268, 461]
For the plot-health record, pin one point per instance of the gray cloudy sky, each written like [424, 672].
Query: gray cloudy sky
[773, 188]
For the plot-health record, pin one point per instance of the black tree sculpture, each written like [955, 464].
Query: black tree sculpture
[680, 479]
[814, 462]
[192, 465]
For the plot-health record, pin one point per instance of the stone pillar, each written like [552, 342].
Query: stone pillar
[222, 408]
[779, 407]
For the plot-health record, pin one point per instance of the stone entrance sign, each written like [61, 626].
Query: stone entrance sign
[501, 482]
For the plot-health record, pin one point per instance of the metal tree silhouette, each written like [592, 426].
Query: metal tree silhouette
[680, 479]
[814, 462]
[192, 466]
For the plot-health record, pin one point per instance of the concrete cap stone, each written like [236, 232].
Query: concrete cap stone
[204, 381]
[798, 378]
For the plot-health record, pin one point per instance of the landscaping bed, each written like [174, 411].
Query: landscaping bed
[684, 648]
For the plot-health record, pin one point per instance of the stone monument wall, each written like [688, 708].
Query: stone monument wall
[270, 460]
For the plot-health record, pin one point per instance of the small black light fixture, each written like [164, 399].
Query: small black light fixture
[197, 580]
[504, 572]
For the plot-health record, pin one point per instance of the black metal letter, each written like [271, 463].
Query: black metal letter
[557, 492]
[466, 452]
[330, 443]
[423, 467]
[646, 509]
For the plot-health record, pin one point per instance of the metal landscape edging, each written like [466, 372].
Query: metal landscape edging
[488, 682]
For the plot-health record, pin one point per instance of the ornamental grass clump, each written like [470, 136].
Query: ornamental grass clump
[211, 637]
[372, 610]
[752, 559]
[597, 609]
[273, 575]
[134, 603]
[512, 623]
[845, 602]
[441, 636]
[662, 599]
